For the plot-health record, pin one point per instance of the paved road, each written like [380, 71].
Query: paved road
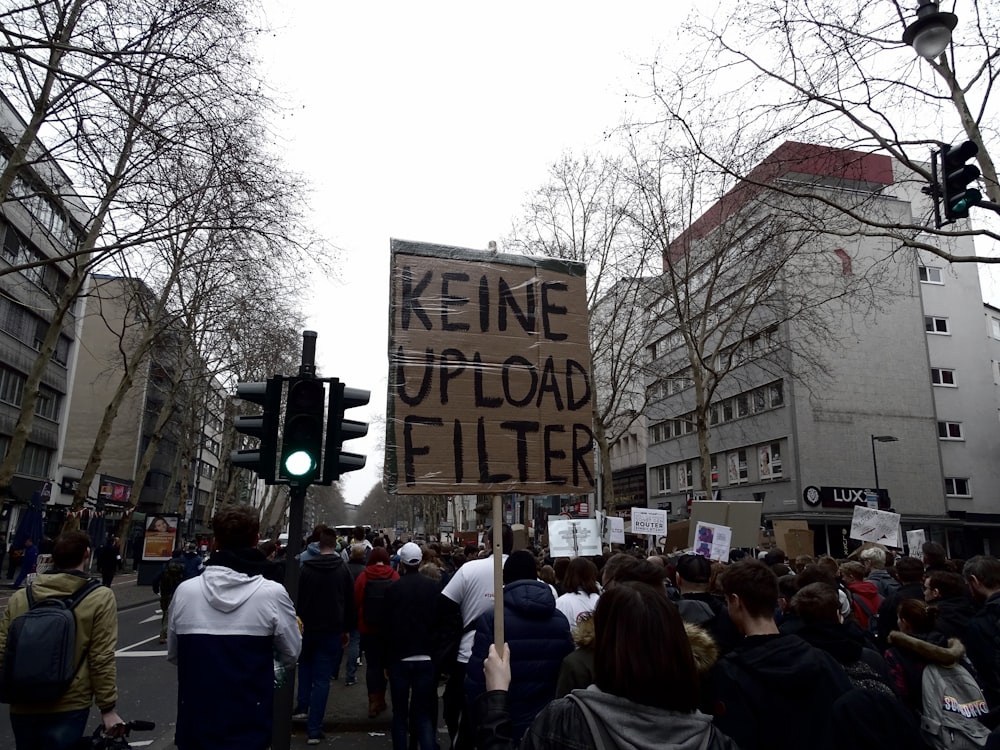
[147, 686]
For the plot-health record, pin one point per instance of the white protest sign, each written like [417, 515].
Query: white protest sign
[870, 525]
[915, 540]
[649, 521]
[615, 530]
[713, 541]
[574, 537]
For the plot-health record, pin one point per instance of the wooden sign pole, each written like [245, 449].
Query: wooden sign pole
[498, 573]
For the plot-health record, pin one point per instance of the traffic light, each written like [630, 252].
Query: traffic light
[339, 429]
[302, 441]
[264, 427]
[955, 176]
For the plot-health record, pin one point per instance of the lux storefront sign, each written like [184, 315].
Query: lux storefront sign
[840, 497]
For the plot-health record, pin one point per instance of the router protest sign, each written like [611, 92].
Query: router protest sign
[489, 374]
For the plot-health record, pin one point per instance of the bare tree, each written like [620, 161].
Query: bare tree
[747, 294]
[582, 214]
[835, 74]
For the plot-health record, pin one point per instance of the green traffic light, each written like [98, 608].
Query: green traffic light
[966, 200]
[299, 463]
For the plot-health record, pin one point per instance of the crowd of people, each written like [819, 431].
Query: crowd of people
[625, 650]
[642, 650]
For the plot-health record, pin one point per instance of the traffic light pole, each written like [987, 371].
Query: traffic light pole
[284, 697]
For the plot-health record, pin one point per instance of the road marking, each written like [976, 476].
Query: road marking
[154, 618]
[138, 743]
[127, 650]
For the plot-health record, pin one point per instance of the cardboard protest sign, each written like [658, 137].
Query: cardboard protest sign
[870, 525]
[649, 521]
[677, 536]
[742, 517]
[489, 374]
[799, 542]
[712, 541]
[915, 541]
[573, 537]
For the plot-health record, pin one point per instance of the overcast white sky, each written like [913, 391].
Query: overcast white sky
[432, 122]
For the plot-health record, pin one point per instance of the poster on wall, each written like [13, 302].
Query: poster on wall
[160, 539]
[764, 454]
[733, 461]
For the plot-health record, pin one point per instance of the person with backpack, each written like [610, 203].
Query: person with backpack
[933, 679]
[865, 599]
[369, 598]
[60, 612]
[171, 576]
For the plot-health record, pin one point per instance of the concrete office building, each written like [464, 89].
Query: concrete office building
[909, 389]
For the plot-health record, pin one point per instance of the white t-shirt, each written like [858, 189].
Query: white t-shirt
[472, 588]
[575, 604]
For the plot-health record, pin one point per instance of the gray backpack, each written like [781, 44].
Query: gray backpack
[952, 705]
[39, 665]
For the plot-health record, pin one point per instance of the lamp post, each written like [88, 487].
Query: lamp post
[879, 439]
[930, 34]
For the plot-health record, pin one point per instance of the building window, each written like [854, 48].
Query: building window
[727, 410]
[737, 466]
[713, 414]
[943, 376]
[47, 405]
[995, 327]
[956, 487]
[34, 460]
[935, 325]
[950, 430]
[11, 386]
[742, 405]
[769, 461]
[659, 432]
[685, 475]
[661, 480]
[930, 275]
[777, 394]
[715, 471]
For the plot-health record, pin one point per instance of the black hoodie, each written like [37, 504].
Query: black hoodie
[326, 596]
[775, 692]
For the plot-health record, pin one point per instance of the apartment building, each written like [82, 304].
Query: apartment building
[171, 401]
[891, 403]
[42, 219]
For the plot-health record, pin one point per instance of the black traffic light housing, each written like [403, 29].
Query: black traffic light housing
[954, 176]
[338, 429]
[302, 438]
[263, 426]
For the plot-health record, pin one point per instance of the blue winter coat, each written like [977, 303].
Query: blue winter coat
[539, 639]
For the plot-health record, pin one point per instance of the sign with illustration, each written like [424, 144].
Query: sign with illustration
[713, 541]
[869, 525]
[160, 539]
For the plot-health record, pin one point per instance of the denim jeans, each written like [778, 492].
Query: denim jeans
[413, 684]
[320, 654]
[351, 656]
[56, 731]
[374, 647]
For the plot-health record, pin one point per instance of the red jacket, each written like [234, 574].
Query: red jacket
[867, 592]
[377, 572]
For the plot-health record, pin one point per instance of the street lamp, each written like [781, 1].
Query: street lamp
[930, 34]
[880, 439]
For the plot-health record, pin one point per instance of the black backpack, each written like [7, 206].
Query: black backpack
[38, 665]
[375, 610]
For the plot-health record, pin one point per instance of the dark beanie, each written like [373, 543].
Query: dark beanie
[520, 566]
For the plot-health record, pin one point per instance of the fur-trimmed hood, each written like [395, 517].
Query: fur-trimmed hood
[929, 651]
[703, 647]
[583, 633]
